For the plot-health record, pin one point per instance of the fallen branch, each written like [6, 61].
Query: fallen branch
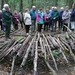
[35, 58]
[50, 52]
[23, 45]
[27, 52]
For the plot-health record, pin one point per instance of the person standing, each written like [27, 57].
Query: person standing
[15, 20]
[27, 20]
[46, 24]
[21, 19]
[6, 20]
[66, 18]
[60, 22]
[50, 23]
[33, 18]
[55, 16]
[40, 19]
[72, 18]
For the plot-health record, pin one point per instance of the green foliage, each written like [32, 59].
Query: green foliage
[56, 53]
[18, 37]
[16, 4]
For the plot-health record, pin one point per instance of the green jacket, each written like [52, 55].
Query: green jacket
[6, 17]
[55, 14]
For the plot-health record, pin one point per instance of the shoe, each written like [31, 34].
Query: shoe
[27, 34]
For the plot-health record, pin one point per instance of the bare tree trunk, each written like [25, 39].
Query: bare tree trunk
[70, 3]
[21, 5]
[32, 3]
[2, 3]
[56, 2]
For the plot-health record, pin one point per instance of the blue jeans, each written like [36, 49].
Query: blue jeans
[72, 25]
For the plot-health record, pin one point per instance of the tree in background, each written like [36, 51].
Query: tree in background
[2, 3]
[19, 5]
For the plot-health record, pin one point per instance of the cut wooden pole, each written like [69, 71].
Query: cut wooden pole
[50, 52]
[61, 50]
[23, 45]
[48, 65]
[12, 68]
[36, 58]
[27, 52]
[69, 49]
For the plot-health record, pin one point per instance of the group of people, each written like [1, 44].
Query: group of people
[36, 20]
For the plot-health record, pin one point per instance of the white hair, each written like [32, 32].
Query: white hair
[62, 8]
[33, 6]
[52, 7]
[55, 7]
[6, 5]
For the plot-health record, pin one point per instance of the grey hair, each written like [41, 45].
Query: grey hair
[6, 5]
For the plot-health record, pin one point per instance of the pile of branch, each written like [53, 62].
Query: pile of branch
[52, 49]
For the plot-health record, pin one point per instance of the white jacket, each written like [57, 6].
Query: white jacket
[27, 19]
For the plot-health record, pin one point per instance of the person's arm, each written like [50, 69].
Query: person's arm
[7, 15]
[57, 15]
[73, 13]
[37, 18]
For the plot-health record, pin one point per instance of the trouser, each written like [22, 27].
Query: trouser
[60, 25]
[21, 24]
[50, 23]
[40, 27]
[33, 26]
[27, 27]
[54, 25]
[7, 31]
[64, 28]
[15, 26]
[1, 25]
[46, 26]
[72, 26]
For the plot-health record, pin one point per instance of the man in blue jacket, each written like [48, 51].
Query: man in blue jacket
[33, 18]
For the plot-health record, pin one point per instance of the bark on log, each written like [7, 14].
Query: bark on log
[23, 45]
[27, 52]
[50, 52]
[36, 58]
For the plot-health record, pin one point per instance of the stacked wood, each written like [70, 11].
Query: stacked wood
[41, 45]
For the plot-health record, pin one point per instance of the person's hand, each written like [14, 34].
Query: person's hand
[54, 18]
[63, 18]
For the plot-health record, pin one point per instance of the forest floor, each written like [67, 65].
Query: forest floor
[63, 69]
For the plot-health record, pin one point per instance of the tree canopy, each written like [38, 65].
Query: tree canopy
[22, 4]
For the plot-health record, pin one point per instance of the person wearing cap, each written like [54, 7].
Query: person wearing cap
[41, 19]
[33, 18]
[6, 20]
[60, 22]
[66, 18]
[55, 16]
